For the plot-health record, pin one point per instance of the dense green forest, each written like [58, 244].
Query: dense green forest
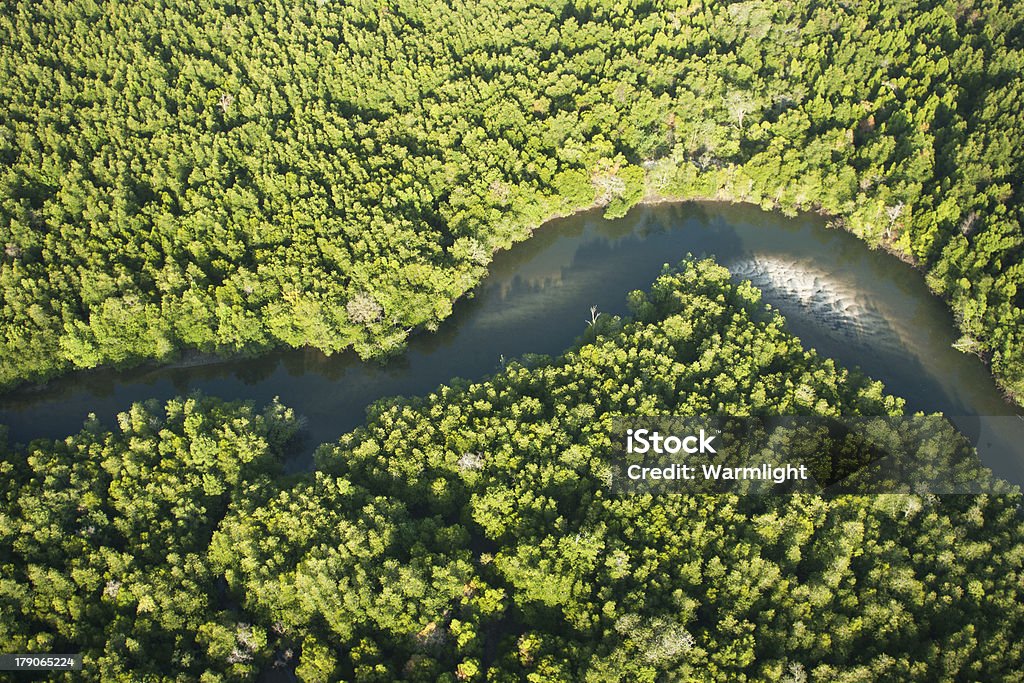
[230, 176]
[471, 534]
[104, 536]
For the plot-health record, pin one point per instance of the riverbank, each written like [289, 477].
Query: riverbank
[189, 359]
[839, 222]
[536, 299]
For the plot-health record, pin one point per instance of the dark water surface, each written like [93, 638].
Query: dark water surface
[864, 308]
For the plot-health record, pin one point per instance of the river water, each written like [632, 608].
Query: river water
[864, 308]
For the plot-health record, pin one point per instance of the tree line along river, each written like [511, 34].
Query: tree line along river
[862, 307]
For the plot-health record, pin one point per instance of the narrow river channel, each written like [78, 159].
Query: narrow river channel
[864, 308]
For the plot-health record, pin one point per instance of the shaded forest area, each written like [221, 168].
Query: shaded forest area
[471, 534]
[227, 177]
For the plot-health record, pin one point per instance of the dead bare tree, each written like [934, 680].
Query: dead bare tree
[893, 212]
[225, 102]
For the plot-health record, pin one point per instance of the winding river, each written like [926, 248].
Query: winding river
[864, 308]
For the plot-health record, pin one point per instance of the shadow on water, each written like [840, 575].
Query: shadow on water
[862, 307]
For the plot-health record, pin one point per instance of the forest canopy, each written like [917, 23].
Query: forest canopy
[228, 177]
[470, 535]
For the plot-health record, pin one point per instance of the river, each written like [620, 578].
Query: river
[864, 308]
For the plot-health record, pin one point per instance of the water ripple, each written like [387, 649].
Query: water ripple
[800, 290]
